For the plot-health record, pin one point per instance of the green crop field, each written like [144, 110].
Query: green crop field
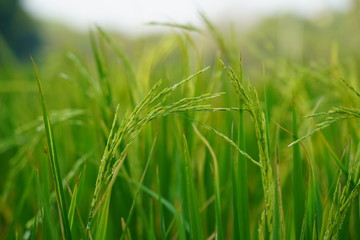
[195, 134]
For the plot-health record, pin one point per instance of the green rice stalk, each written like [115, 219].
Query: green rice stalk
[242, 198]
[150, 108]
[356, 92]
[342, 202]
[251, 103]
[334, 115]
[277, 234]
[312, 223]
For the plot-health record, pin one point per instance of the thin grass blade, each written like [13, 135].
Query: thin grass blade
[193, 205]
[55, 169]
[298, 181]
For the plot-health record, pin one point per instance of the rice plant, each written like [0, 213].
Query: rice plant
[258, 145]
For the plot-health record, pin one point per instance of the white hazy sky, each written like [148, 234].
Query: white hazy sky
[131, 15]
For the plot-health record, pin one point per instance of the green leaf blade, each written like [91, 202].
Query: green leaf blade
[55, 169]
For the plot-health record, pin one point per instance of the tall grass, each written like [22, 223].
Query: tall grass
[220, 152]
[54, 163]
[252, 105]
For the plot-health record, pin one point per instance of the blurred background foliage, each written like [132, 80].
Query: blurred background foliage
[18, 30]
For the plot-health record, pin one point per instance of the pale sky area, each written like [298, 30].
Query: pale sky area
[131, 15]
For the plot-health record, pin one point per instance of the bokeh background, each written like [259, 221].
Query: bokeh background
[27, 24]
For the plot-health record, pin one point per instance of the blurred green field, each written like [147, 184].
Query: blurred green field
[96, 148]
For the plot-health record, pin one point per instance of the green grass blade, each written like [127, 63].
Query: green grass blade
[187, 27]
[165, 203]
[103, 221]
[231, 142]
[27, 191]
[105, 98]
[356, 92]
[235, 192]
[102, 70]
[277, 206]
[32, 231]
[193, 205]
[55, 169]
[48, 227]
[124, 227]
[343, 197]
[129, 70]
[138, 189]
[319, 211]
[161, 209]
[151, 232]
[72, 207]
[218, 37]
[219, 222]
[298, 181]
